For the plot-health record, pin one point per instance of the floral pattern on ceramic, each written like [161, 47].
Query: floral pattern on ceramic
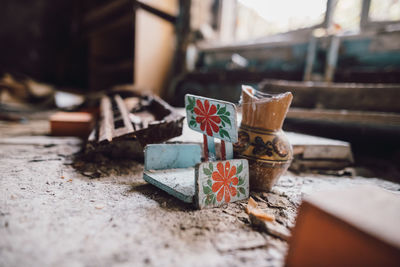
[212, 117]
[222, 182]
[263, 145]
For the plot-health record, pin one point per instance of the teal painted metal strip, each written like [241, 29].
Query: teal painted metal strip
[176, 182]
[211, 149]
[229, 150]
[171, 156]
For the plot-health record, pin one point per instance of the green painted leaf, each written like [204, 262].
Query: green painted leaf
[223, 133]
[242, 190]
[217, 106]
[206, 190]
[226, 119]
[237, 194]
[221, 110]
[192, 123]
[223, 123]
[191, 104]
[241, 181]
[210, 165]
[207, 171]
[209, 182]
[214, 199]
[227, 113]
[239, 169]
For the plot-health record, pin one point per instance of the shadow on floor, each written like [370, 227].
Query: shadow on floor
[165, 200]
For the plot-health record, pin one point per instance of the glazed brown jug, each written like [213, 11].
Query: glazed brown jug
[261, 139]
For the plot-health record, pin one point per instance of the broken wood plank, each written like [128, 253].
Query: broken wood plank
[152, 121]
[348, 116]
[273, 228]
[106, 120]
[350, 96]
[314, 147]
[124, 112]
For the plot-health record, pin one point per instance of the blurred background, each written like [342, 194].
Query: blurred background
[170, 46]
[340, 58]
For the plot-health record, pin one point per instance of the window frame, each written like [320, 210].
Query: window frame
[366, 24]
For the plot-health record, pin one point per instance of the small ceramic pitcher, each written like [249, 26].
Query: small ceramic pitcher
[261, 139]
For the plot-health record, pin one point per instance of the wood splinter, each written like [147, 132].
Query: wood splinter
[253, 209]
[266, 222]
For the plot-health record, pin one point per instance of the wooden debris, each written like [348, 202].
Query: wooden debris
[252, 209]
[115, 120]
[339, 96]
[312, 152]
[346, 116]
[273, 228]
[125, 132]
[265, 222]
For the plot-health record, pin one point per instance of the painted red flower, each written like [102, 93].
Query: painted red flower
[224, 179]
[205, 116]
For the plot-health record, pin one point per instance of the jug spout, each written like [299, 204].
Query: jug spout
[266, 111]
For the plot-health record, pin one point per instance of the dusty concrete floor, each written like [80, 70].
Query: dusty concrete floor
[53, 215]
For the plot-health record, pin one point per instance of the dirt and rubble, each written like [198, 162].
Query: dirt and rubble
[56, 209]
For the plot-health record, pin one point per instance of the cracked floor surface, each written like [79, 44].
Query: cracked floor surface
[53, 214]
